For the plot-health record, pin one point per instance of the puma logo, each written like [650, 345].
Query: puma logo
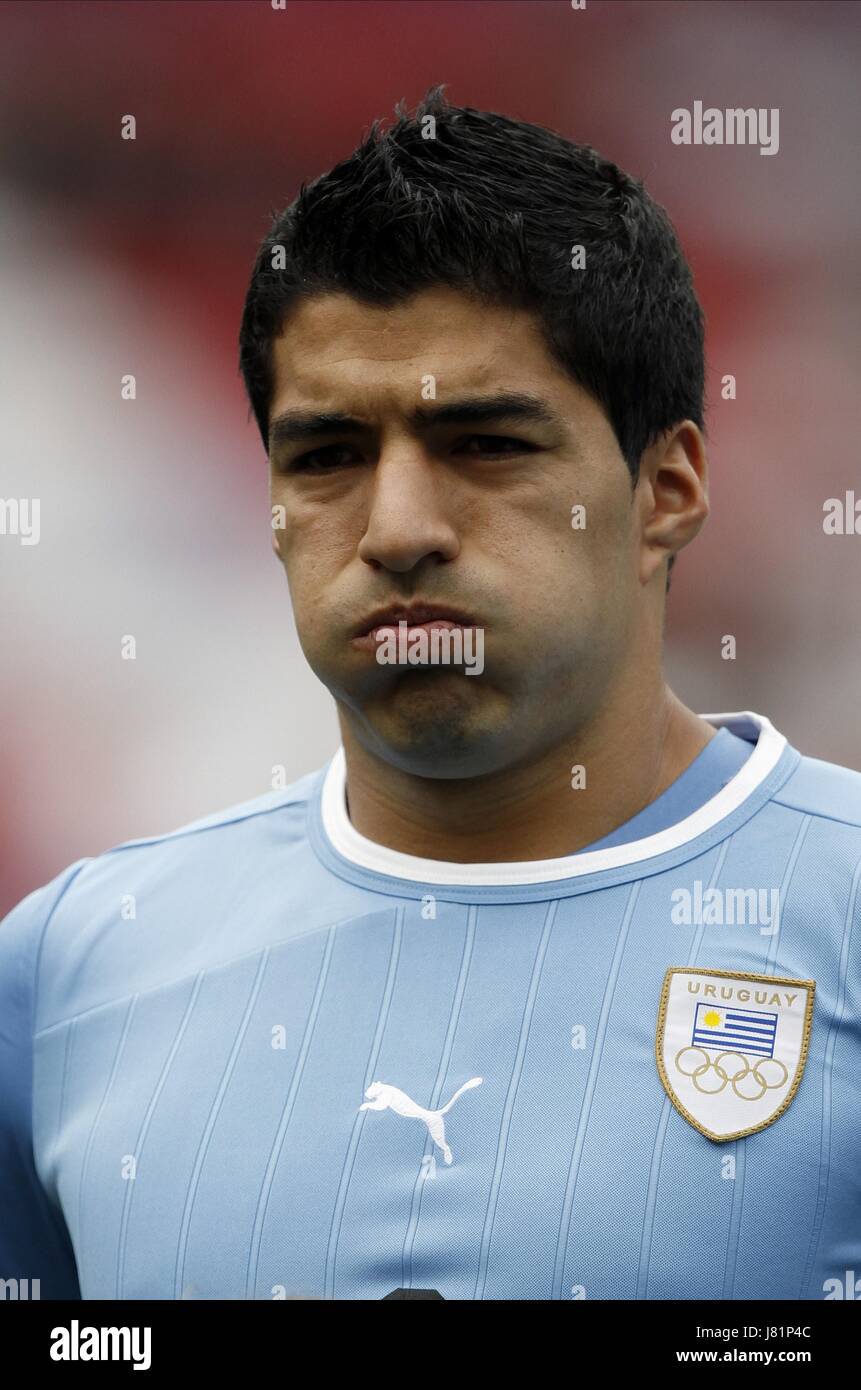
[381, 1096]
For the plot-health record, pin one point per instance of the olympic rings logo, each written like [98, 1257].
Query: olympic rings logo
[741, 1072]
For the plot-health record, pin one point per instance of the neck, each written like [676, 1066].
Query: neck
[530, 811]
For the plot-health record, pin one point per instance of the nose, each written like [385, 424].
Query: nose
[410, 516]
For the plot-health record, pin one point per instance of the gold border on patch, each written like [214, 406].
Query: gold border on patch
[808, 985]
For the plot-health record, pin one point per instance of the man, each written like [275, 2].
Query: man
[544, 987]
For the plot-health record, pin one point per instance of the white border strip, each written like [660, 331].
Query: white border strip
[378, 859]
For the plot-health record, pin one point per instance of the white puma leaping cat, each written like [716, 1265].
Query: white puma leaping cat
[381, 1096]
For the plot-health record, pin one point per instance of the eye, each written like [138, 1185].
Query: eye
[322, 460]
[330, 457]
[489, 444]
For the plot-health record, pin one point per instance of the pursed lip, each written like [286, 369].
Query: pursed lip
[411, 614]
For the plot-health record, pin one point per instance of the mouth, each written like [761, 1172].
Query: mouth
[423, 617]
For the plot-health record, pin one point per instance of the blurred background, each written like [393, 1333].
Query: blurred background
[125, 256]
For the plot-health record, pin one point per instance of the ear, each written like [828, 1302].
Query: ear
[275, 545]
[671, 495]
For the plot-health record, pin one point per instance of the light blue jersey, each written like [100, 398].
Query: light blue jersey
[263, 1055]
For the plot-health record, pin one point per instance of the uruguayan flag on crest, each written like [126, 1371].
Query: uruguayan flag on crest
[731, 1048]
[746, 1032]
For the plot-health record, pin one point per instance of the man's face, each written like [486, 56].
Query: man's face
[400, 509]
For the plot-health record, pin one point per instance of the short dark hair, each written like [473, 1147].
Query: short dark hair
[495, 206]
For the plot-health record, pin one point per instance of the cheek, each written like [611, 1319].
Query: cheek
[563, 545]
[305, 534]
[315, 557]
[600, 535]
[575, 576]
[309, 571]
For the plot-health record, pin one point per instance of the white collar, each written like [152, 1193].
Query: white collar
[347, 841]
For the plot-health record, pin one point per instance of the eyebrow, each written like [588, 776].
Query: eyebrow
[295, 426]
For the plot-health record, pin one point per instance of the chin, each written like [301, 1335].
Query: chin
[438, 739]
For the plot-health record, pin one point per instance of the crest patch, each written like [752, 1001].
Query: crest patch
[731, 1047]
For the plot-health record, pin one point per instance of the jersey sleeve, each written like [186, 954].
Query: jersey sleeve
[34, 1241]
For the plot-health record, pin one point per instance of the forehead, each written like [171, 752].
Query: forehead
[332, 345]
